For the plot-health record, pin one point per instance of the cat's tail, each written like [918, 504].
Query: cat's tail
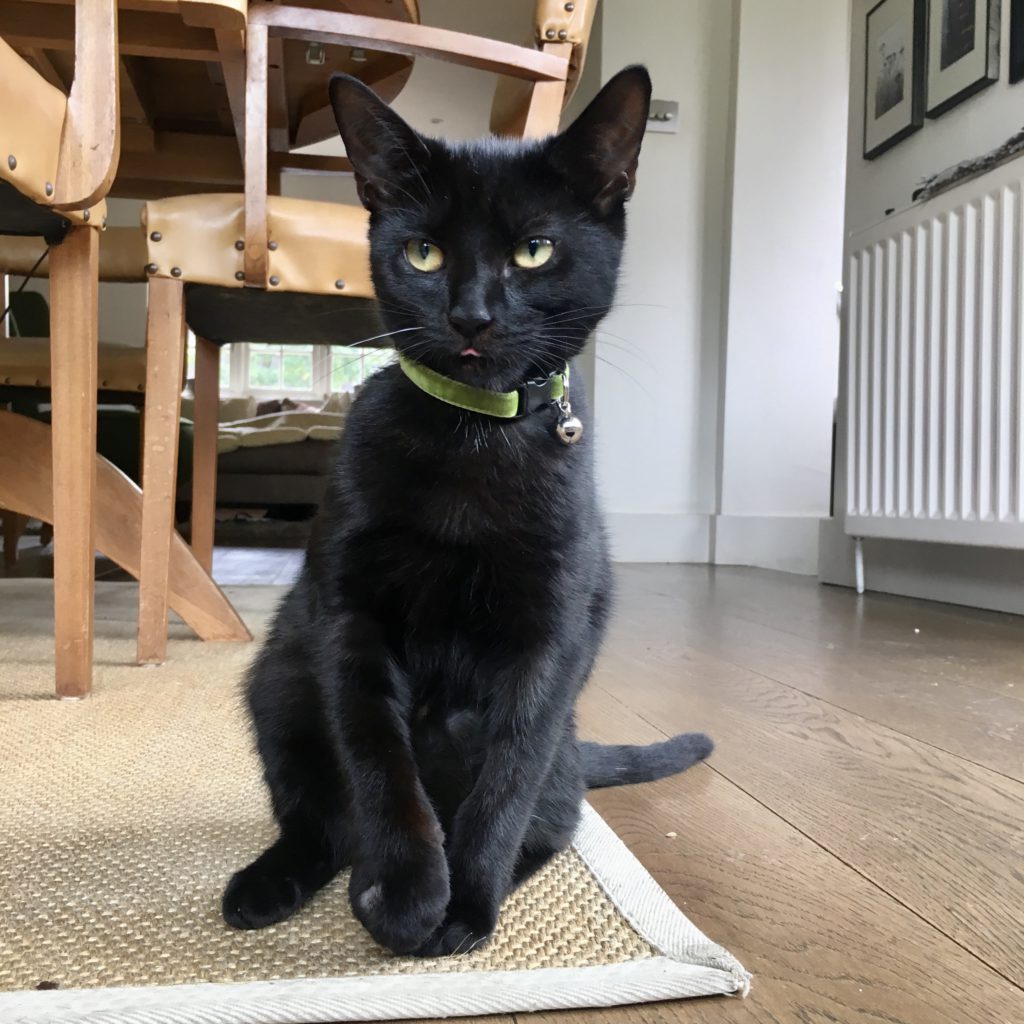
[621, 765]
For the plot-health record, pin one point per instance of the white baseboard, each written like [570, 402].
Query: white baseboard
[788, 543]
[659, 537]
[953, 573]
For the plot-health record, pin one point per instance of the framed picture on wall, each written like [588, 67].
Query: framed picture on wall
[963, 50]
[893, 73]
[1016, 40]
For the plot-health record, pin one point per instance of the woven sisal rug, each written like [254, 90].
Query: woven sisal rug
[122, 816]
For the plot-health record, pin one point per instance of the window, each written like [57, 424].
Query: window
[301, 371]
[225, 362]
[351, 366]
[281, 368]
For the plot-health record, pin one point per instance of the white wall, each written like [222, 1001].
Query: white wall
[973, 127]
[975, 576]
[657, 371]
[716, 421]
[782, 342]
[123, 306]
[122, 319]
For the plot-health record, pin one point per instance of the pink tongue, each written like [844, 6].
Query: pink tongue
[469, 352]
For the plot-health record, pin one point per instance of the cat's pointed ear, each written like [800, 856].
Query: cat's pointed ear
[598, 152]
[385, 152]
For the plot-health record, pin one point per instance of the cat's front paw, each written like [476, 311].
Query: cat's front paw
[468, 924]
[259, 895]
[455, 938]
[401, 905]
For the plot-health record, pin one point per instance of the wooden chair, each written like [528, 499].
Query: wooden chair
[60, 156]
[59, 159]
[25, 366]
[257, 267]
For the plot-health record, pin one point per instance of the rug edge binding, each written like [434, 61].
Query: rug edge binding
[403, 997]
[645, 905]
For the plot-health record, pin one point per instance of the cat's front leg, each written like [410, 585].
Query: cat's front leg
[488, 831]
[399, 886]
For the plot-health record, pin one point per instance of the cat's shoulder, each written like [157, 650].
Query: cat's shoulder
[376, 393]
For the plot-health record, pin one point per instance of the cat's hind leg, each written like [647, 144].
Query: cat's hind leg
[554, 818]
[307, 788]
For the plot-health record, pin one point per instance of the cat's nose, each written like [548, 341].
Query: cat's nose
[470, 323]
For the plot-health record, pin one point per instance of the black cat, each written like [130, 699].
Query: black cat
[414, 702]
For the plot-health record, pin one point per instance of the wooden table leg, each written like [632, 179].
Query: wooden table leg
[204, 451]
[74, 308]
[165, 354]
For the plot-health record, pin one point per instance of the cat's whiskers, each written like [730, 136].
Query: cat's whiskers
[418, 345]
[549, 345]
[553, 345]
[626, 351]
[340, 309]
[605, 307]
[571, 314]
[625, 373]
[418, 204]
[564, 338]
[504, 435]
[329, 377]
[546, 325]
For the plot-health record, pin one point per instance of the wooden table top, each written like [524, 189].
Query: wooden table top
[182, 85]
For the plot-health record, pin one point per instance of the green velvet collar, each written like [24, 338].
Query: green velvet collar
[506, 405]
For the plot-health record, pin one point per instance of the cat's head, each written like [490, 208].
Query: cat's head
[497, 257]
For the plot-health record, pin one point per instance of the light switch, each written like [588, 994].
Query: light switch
[663, 116]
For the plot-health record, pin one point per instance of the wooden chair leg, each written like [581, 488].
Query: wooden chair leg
[204, 451]
[142, 438]
[547, 99]
[165, 353]
[26, 484]
[74, 307]
[14, 527]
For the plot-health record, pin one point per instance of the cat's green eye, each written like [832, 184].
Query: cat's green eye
[533, 252]
[424, 255]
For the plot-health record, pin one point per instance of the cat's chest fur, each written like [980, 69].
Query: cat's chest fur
[459, 478]
[468, 539]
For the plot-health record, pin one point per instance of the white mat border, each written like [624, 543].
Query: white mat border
[690, 964]
[645, 904]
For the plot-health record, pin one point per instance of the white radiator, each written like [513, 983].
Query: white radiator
[934, 381]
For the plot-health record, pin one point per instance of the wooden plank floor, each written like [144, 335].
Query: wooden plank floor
[857, 839]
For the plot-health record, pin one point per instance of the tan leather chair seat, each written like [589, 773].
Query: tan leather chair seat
[554, 21]
[313, 245]
[33, 120]
[25, 362]
[122, 255]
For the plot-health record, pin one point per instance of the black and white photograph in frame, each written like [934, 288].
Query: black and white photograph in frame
[963, 50]
[893, 73]
[1016, 40]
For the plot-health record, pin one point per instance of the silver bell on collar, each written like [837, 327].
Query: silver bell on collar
[569, 428]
